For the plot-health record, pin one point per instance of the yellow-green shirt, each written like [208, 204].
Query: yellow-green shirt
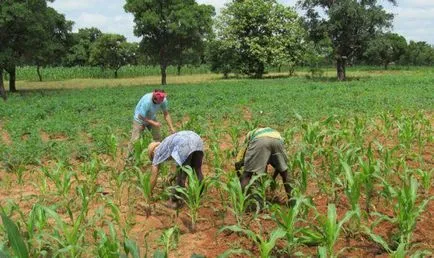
[257, 133]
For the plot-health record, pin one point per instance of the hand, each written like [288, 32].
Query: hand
[157, 124]
[172, 130]
[238, 166]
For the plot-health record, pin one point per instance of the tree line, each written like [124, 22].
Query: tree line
[245, 38]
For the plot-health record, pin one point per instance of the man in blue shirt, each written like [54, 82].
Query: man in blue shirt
[145, 116]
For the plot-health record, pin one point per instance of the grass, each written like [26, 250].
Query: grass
[65, 146]
[72, 114]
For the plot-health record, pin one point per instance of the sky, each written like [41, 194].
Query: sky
[414, 19]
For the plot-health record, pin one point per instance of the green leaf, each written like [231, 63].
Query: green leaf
[159, 254]
[131, 247]
[14, 236]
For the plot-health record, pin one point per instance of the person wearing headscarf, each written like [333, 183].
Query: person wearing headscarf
[186, 149]
[145, 117]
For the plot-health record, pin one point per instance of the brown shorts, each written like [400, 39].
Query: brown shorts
[265, 150]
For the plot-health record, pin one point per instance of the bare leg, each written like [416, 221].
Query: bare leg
[196, 164]
[245, 179]
[286, 185]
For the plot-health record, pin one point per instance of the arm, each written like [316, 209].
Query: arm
[149, 121]
[169, 121]
[239, 161]
[154, 176]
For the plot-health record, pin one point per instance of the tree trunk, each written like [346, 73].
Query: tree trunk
[386, 65]
[291, 70]
[163, 74]
[340, 67]
[279, 68]
[12, 78]
[2, 87]
[178, 70]
[116, 73]
[259, 71]
[38, 70]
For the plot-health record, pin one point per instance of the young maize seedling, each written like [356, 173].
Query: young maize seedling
[192, 194]
[169, 239]
[144, 186]
[329, 230]
[239, 199]
[107, 245]
[265, 246]
[286, 218]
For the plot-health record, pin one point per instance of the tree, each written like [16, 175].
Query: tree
[385, 48]
[79, 53]
[223, 58]
[23, 26]
[54, 45]
[112, 51]
[169, 27]
[418, 53]
[262, 32]
[348, 23]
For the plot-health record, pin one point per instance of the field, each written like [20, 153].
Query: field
[360, 158]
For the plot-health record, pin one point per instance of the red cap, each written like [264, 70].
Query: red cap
[159, 96]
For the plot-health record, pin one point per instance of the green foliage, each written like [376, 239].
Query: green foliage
[169, 239]
[31, 31]
[255, 34]
[15, 239]
[112, 51]
[264, 245]
[240, 199]
[193, 193]
[79, 52]
[386, 48]
[418, 53]
[348, 24]
[170, 29]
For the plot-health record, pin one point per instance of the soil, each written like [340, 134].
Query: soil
[207, 239]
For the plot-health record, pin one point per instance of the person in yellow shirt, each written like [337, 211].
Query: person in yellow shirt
[261, 147]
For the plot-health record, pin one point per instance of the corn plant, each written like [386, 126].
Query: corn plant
[239, 199]
[235, 133]
[287, 218]
[353, 184]
[92, 169]
[36, 223]
[406, 211]
[140, 146]
[61, 177]
[15, 238]
[217, 160]
[192, 194]
[108, 142]
[359, 128]
[169, 239]
[68, 238]
[426, 178]
[130, 247]
[369, 169]
[305, 170]
[329, 230]
[407, 131]
[107, 245]
[265, 245]
[144, 186]
[259, 189]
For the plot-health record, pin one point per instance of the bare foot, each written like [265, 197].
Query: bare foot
[173, 204]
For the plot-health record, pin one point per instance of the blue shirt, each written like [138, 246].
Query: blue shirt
[178, 146]
[147, 108]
